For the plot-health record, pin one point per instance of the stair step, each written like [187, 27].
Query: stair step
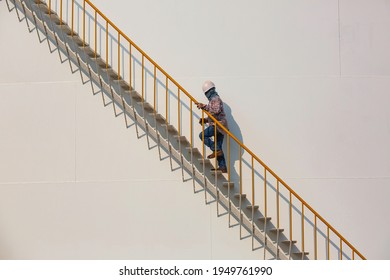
[133, 94]
[263, 219]
[53, 16]
[158, 117]
[42, 6]
[99, 61]
[110, 72]
[218, 172]
[249, 207]
[170, 127]
[194, 151]
[228, 184]
[122, 83]
[65, 29]
[206, 161]
[181, 138]
[237, 195]
[146, 105]
[276, 230]
[300, 253]
[90, 52]
[78, 40]
[288, 242]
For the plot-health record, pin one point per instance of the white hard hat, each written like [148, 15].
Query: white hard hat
[207, 85]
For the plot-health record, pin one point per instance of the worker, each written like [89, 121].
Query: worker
[215, 108]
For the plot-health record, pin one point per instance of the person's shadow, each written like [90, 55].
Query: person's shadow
[234, 128]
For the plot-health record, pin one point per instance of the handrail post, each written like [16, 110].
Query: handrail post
[84, 23]
[192, 145]
[119, 57]
[72, 16]
[106, 44]
[303, 230]
[315, 238]
[204, 159]
[229, 178]
[216, 166]
[253, 203]
[61, 12]
[240, 203]
[95, 34]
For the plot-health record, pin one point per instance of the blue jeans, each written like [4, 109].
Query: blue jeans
[208, 133]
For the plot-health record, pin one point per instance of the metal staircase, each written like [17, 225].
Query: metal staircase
[127, 79]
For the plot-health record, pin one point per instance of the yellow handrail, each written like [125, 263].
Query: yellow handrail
[218, 124]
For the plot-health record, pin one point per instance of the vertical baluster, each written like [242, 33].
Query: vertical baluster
[95, 34]
[143, 101]
[72, 15]
[119, 57]
[179, 131]
[240, 203]
[216, 166]
[166, 120]
[61, 11]
[328, 243]
[192, 144]
[229, 179]
[303, 230]
[155, 109]
[253, 203]
[204, 159]
[315, 238]
[277, 217]
[290, 223]
[265, 212]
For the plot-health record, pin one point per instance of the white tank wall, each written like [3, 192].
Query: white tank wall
[307, 83]
[314, 77]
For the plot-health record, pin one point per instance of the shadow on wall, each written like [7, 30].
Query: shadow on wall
[234, 128]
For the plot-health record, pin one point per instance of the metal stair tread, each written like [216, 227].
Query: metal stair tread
[237, 195]
[145, 105]
[300, 253]
[158, 117]
[216, 172]
[194, 150]
[264, 218]
[276, 230]
[76, 38]
[288, 241]
[64, 28]
[170, 127]
[181, 138]
[206, 161]
[228, 184]
[252, 206]
[133, 94]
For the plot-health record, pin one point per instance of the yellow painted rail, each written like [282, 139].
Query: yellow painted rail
[316, 236]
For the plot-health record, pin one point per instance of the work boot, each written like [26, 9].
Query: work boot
[219, 153]
[223, 169]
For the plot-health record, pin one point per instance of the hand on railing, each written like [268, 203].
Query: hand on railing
[200, 105]
[204, 120]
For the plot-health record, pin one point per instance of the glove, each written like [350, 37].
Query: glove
[200, 105]
[205, 121]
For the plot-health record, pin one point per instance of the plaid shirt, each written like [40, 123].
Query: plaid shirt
[215, 108]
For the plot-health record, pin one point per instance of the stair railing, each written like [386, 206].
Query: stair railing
[140, 72]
